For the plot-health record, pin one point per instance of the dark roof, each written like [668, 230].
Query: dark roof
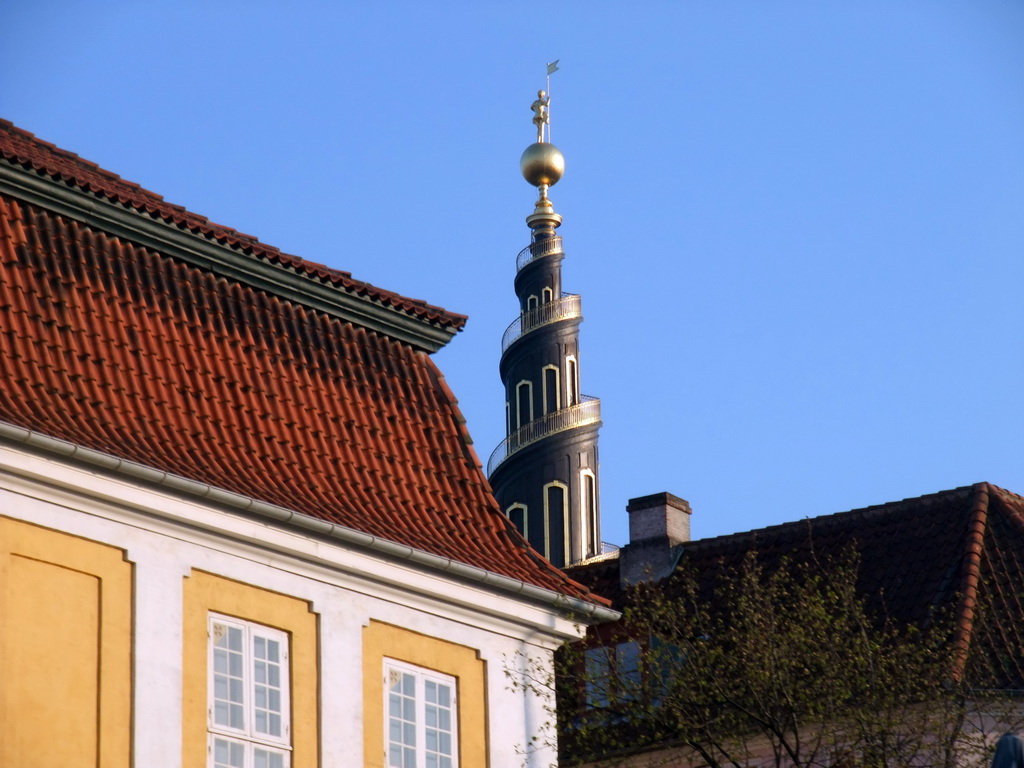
[953, 550]
[127, 351]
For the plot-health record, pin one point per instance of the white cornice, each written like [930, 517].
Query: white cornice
[64, 465]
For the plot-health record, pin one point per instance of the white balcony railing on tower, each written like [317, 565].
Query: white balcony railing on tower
[560, 309]
[538, 250]
[587, 411]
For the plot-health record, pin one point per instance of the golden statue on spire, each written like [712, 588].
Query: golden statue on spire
[542, 108]
[541, 114]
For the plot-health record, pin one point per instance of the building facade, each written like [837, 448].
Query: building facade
[545, 472]
[241, 522]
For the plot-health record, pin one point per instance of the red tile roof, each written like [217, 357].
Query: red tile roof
[21, 147]
[126, 351]
[954, 550]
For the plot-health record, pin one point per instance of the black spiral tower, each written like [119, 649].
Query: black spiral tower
[545, 472]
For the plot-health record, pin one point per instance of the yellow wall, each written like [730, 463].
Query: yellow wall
[205, 593]
[382, 641]
[65, 650]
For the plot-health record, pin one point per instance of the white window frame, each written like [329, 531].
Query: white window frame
[567, 555]
[532, 302]
[544, 390]
[526, 518]
[247, 738]
[546, 296]
[519, 413]
[589, 545]
[572, 381]
[422, 676]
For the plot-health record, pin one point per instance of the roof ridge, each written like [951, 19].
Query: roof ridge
[1008, 501]
[970, 577]
[874, 509]
[25, 148]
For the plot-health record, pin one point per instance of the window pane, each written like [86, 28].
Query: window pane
[263, 758]
[267, 696]
[627, 673]
[597, 676]
[438, 723]
[228, 754]
[228, 692]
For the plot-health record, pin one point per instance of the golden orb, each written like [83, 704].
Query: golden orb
[542, 163]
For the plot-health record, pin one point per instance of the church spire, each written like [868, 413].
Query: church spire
[545, 472]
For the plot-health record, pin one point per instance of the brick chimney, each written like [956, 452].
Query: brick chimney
[658, 525]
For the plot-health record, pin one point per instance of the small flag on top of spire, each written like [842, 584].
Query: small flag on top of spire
[552, 67]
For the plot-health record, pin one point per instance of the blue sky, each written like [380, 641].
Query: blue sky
[797, 227]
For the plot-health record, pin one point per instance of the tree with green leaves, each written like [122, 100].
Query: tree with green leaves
[787, 666]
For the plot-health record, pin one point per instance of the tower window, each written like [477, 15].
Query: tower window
[531, 303]
[546, 296]
[524, 403]
[572, 382]
[516, 513]
[556, 523]
[589, 534]
[551, 398]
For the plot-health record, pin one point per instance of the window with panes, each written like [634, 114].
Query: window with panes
[249, 723]
[421, 717]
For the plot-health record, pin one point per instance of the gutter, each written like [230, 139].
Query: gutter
[564, 604]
